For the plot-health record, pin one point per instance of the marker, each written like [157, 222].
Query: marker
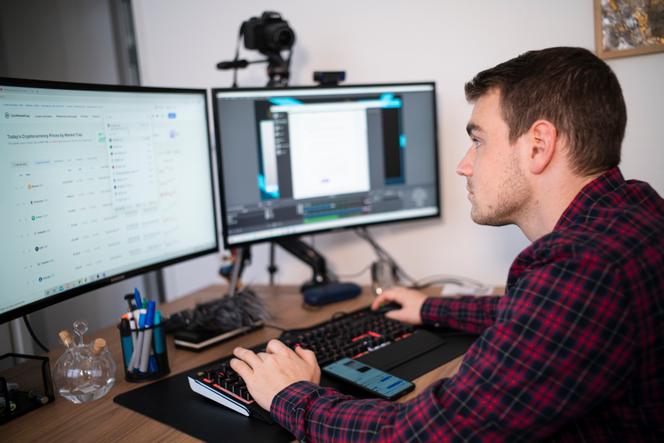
[132, 328]
[158, 334]
[126, 341]
[136, 357]
[152, 364]
[147, 337]
[137, 299]
[130, 298]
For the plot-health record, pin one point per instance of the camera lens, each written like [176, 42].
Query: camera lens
[279, 36]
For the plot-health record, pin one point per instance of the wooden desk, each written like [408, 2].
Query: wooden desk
[104, 421]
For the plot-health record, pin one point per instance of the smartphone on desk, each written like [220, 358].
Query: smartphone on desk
[369, 379]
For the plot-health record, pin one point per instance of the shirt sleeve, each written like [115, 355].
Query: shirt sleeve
[466, 313]
[561, 344]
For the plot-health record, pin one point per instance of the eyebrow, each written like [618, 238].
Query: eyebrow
[472, 127]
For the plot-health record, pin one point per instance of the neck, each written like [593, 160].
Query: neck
[552, 195]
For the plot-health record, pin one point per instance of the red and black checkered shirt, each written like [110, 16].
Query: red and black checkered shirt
[574, 351]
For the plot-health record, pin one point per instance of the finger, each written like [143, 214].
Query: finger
[247, 356]
[383, 298]
[262, 355]
[243, 369]
[307, 355]
[395, 315]
[277, 347]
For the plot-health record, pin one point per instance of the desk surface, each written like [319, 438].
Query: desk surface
[103, 420]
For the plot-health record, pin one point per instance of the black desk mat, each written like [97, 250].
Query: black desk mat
[170, 401]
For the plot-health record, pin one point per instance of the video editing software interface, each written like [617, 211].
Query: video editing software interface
[97, 183]
[301, 160]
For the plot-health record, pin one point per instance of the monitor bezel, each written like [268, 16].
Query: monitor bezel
[60, 297]
[220, 172]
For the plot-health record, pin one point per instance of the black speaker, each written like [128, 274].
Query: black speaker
[330, 293]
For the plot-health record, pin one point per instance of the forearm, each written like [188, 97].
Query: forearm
[497, 394]
[545, 361]
[466, 313]
[315, 413]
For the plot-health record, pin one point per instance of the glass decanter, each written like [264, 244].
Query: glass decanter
[84, 372]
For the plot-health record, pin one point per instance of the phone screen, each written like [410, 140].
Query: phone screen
[371, 379]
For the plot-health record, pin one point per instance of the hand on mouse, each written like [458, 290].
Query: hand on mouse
[411, 302]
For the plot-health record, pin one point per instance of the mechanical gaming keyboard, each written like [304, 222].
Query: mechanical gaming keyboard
[353, 335]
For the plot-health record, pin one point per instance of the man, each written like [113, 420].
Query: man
[574, 350]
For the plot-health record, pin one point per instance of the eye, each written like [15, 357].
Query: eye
[476, 142]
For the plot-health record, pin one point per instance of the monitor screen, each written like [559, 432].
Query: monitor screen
[302, 160]
[98, 183]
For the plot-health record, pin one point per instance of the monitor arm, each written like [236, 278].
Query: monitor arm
[311, 257]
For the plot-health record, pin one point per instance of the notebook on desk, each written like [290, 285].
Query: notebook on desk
[199, 339]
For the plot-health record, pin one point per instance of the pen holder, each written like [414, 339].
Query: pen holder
[141, 363]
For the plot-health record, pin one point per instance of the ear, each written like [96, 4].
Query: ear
[542, 137]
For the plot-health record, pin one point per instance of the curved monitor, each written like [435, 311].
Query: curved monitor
[98, 183]
[295, 161]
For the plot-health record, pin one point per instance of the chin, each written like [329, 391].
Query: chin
[488, 219]
[477, 217]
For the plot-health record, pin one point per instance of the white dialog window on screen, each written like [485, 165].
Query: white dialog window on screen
[328, 150]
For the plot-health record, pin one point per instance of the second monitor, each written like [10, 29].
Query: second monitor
[310, 159]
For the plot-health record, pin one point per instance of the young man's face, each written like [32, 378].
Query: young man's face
[497, 187]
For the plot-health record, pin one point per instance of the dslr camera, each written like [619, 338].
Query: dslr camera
[268, 33]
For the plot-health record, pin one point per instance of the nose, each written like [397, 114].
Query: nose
[465, 166]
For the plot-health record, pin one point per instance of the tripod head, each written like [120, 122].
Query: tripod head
[269, 34]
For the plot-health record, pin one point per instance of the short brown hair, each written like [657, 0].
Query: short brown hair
[571, 88]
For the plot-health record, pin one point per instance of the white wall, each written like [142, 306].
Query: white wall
[179, 44]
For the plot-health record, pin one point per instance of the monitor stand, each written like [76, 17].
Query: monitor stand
[309, 256]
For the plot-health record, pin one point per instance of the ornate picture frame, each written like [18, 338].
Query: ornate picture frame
[628, 27]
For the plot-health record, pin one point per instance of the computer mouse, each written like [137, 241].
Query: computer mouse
[391, 306]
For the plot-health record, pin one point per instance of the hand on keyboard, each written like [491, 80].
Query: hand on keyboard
[352, 335]
[267, 373]
[411, 302]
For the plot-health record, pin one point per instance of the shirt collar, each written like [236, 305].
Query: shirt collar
[589, 195]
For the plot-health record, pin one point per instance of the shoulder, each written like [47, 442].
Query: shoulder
[615, 243]
[624, 224]
[567, 283]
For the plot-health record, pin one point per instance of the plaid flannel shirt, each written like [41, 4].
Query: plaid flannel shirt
[574, 350]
